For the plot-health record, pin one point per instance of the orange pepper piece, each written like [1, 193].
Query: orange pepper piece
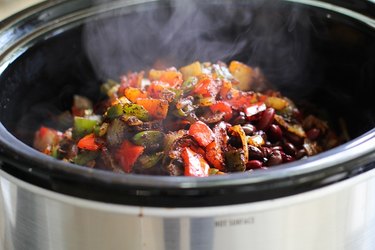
[157, 108]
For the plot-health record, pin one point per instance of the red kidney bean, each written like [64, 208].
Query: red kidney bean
[289, 148]
[255, 153]
[295, 139]
[275, 133]
[275, 158]
[279, 148]
[301, 153]
[288, 158]
[313, 134]
[268, 144]
[266, 119]
[254, 164]
[240, 119]
[266, 151]
[249, 129]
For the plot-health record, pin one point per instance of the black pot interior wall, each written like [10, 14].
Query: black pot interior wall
[308, 54]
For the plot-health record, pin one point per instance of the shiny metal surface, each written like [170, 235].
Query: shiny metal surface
[339, 216]
[9, 7]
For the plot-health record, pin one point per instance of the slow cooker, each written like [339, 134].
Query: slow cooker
[322, 52]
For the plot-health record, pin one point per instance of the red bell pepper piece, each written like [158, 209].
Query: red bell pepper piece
[194, 163]
[236, 98]
[214, 155]
[201, 133]
[88, 143]
[223, 107]
[239, 99]
[128, 154]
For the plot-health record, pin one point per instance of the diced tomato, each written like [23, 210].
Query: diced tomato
[201, 133]
[88, 143]
[157, 108]
[128, 154]
[207, 87]
[223, 107]
[194, 163]
[45, 137]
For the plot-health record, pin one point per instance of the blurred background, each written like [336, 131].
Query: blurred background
[9, 7]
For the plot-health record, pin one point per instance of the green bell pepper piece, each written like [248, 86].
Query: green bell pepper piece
[136, 110]
[83, 126]
[128, 109]
[84, 157]
[148, 161]
[148, 138]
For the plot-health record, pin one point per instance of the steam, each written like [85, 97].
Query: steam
[255, 32]
[185, 34]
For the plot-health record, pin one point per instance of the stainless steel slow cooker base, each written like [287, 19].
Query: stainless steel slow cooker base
[339, 216]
